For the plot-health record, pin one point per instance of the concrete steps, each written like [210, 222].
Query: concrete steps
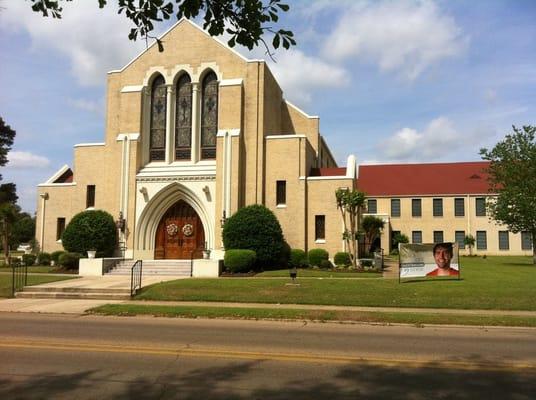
[52, 292]
[154, 267]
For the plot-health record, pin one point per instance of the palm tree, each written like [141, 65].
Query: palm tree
[469, 241]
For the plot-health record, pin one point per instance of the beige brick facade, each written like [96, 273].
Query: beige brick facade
[261, 139]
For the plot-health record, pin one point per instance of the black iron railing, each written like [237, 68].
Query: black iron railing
[19, 278]
[135, 277]
[195, 253]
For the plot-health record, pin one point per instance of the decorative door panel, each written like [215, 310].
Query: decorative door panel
[180, 233]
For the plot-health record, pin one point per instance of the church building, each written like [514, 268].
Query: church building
[198, 131]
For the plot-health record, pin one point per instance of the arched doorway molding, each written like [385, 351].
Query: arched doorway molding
[157, 207]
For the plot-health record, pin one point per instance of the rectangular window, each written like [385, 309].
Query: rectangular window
[416, 237]
[281, 192]
[395, 207]
[438, 207]
[90, 196]
[504, 242]
[526, 241]
[372, 206]
[480, 203]
[481, 240]
[438, 236]
[60, 227]
[320, 227]
[459, 207]
[416, 209]
[393, 235]
[459, 236]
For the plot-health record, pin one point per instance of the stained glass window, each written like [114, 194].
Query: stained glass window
[158, 120]
[183, 122]
[209, 116]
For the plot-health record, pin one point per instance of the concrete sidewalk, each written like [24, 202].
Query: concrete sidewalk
[79, 307]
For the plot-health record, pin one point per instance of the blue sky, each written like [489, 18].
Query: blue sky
[392, 81]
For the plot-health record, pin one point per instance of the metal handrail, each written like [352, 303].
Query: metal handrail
[192, 253]
[135, 277]
[19, 278]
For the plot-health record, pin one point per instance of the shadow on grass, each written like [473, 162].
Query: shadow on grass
[427, 280]
[249, 380]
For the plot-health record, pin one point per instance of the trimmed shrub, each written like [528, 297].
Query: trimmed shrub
[28, 259]
[69, 260]
[326, 264]
[284, 258]
[239, 260]
[15, 261]
[316, 256]
[255, 228]
[44, 258]
[343, 259]
[91, 230]
[55, 256]
[298, 258]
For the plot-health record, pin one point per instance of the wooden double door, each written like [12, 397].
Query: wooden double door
[180, 233]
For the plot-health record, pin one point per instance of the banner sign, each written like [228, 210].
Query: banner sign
[430, 259]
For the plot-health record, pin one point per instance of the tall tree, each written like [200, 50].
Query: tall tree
[246, 21]
[8, 216]
[373, 227]
[7, 135]
[512, 177]
[351, 203]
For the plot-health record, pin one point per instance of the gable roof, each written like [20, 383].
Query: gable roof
[424, 179]
[184, 20]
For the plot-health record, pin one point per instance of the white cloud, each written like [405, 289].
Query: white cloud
[94, 40]
[96, 107]
[405, 37]
[436, 142]
[25, 159]
[300, 74]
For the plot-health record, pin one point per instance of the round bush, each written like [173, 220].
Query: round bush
[316, 256]
[70, 260]
[342, 258]
[44, 258]
[239, 260]
[298, 258]
[326, 264]
[255, 228]
[91, 230]
[55, 256]
[28, 259]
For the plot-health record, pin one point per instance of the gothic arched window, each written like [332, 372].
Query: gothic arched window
[183, 119]
[209, 116]
[157, 147]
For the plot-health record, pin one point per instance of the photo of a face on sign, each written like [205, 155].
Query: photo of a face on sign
[429, 260]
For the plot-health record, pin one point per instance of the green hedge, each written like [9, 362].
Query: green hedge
[298, 258]
[91, 230]
[28, 259]
[239, 260]
[69, 260]
[44, 258]
[55, 256]
[342, 259]
[316, 256]
[255, 228]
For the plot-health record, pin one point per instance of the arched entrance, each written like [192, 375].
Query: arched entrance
[180, 233]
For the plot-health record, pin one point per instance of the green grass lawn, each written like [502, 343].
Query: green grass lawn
[5, 281]
[318, 273]
[315, 315]
[39, 269]
[507, 283]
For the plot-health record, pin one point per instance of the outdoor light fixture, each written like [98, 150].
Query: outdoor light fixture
[223, 219]
[120, 223]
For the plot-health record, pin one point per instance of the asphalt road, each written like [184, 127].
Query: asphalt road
[87, 357]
